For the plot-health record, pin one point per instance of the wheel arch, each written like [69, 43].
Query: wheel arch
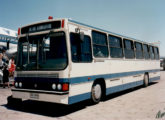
[147, 73]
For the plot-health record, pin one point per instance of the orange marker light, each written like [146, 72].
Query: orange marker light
[62, 25]
[50, 17]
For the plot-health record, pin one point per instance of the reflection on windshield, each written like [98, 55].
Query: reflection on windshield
[42, 52]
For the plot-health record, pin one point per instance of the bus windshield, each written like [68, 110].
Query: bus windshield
[42, 52]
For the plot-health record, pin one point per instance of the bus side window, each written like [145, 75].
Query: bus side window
[139, 50]
[146, 51]
[100, 46]
[115, 44]
[152, 55]
[80, 50]
[129, 49]
[156, 51]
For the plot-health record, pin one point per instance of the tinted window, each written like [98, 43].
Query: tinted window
[139, 50]
[129, 49]
[152, 55]
[81, 50]
[146, 51]
[156, 51]
[115, 44]
[100, 47]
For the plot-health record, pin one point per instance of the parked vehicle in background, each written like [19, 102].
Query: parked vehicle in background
[162, 63]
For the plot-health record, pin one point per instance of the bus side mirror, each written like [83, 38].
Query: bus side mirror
[82, 36]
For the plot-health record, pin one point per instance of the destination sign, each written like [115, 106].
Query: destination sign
[41, 27]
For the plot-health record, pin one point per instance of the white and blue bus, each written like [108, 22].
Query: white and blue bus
[65, 61]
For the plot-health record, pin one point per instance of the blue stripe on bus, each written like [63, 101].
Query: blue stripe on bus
[41, 79]
[108, 76]
[78, 98]
[154, 79]
[123, 87]
[82, 79]
[110, 90]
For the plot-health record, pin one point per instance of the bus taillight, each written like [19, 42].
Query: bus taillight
[65, 87]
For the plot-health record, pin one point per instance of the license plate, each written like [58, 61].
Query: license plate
[34, 95]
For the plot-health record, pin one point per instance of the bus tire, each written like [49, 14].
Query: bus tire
[146, 80]
[96, 93]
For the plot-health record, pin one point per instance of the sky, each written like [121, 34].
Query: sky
[140, 19]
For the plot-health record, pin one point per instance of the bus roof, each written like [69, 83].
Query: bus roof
[115, 34]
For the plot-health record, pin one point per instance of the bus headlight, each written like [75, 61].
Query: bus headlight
[20, 84]
[59, 86]
[16, 84]
[53, 86]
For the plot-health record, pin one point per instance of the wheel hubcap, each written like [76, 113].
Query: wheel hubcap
[97, 91]
[146, 80]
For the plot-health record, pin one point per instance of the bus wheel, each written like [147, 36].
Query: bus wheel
[146, 80]
[96, 93]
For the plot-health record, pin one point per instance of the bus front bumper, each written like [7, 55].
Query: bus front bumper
[39, 95]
